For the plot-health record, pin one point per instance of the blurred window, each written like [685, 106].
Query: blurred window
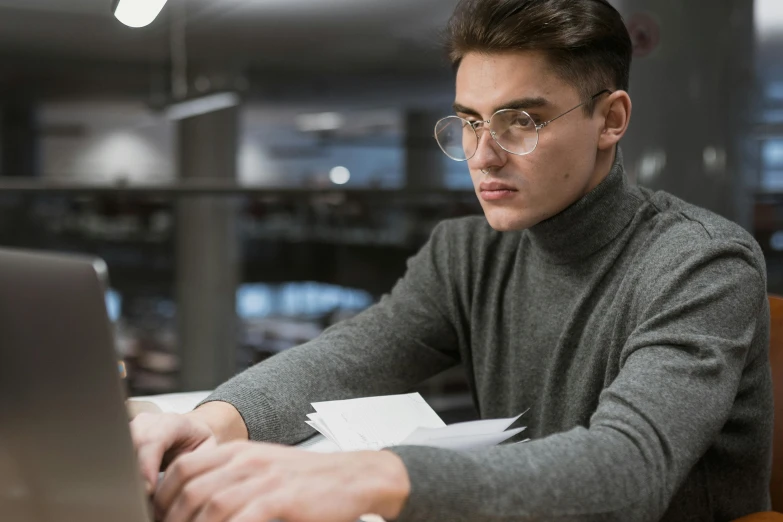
[772, 164]
[297, 299]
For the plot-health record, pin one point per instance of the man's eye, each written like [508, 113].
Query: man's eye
[522, 121]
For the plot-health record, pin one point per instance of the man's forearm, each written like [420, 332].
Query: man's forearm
[223, 419]
[408, 337]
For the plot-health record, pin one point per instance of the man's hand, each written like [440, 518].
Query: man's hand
[161, 437]
[254, 482]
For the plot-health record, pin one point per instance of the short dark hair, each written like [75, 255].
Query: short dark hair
[586, 41]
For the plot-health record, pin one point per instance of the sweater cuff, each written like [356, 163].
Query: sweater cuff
[441, 484]
[262, 421]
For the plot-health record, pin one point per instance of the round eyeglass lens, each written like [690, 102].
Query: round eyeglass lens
[515, 131]
[456, 138]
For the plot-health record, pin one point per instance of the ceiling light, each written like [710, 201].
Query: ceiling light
[202, 105]
[137, 13]
[340, 175]
[325, 121]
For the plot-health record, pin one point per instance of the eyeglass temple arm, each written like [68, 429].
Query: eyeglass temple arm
[593, 97]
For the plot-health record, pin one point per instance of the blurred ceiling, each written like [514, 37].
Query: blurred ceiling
[277, 48]
[280, 48]
[280, 34]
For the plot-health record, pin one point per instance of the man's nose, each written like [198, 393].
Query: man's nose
[488, 153]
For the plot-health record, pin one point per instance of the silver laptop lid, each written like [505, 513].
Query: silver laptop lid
[65, 449]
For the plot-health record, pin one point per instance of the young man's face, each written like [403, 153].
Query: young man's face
[559, 171]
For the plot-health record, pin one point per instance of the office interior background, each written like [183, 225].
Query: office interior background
[253, 171]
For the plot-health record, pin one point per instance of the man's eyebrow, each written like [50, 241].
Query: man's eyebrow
[461, 109]
[518, 104]
[524, 104]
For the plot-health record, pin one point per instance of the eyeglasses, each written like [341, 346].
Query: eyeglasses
[514, 130]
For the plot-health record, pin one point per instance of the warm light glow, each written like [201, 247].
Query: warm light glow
[340, 175]
[138, 13]
[769, 18]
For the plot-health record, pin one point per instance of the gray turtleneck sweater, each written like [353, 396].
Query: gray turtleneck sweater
[633, 325]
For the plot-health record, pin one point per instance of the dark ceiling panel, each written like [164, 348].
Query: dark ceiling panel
[294, 33]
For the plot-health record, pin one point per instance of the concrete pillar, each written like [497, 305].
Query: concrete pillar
[691, 101]
[424, 161]
[18, 139]
[208, 262]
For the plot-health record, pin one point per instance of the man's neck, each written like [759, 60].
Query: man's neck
[604, 161]
[589, 224]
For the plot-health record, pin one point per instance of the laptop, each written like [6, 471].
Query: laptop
[66, 453]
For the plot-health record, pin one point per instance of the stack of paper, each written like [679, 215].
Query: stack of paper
[373, 423]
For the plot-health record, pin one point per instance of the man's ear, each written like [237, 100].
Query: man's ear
[616, 113]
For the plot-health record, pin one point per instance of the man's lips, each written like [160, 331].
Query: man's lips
[496, 191]
[496, 186]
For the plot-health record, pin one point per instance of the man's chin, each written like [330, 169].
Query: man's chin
[504, 221]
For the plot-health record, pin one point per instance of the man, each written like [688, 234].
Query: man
[635, 326]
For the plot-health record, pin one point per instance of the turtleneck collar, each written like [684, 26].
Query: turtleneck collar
[592, 222]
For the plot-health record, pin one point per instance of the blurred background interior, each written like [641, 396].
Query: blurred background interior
[253, 171]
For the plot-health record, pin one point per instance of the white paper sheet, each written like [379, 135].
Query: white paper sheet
[463, 429]
[317, 423]
[319, 444]
[467, 442]
[376, 422]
